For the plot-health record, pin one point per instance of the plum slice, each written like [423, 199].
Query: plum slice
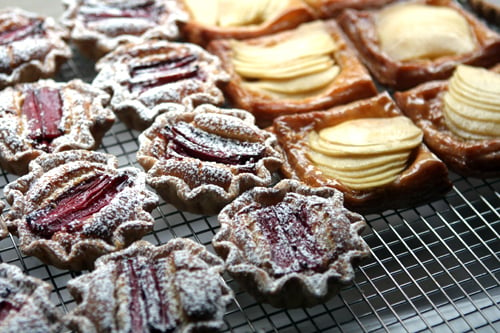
[43, 108]
[149, 309]
[188, 140]
[288, 230]
[6, 307]
[33, 28]
[154, 74]
[69, 211]
[147, 10]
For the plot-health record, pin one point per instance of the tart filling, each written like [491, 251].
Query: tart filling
[31, 47]
[75, 206]
[25, 303]
[99, 27]
[299, 66]
[472, 103]
[202, 159]
[175, 287]
[145, 78]
[48, 116]
[290, 237]
[365, 153]
[418, 31]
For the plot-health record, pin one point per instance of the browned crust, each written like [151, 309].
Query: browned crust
[424, 105]
[359, 26]
[296, 13]
[352, 83]
[332, 8]
[424, 179]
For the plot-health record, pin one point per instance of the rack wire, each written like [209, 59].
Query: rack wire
[433, 267]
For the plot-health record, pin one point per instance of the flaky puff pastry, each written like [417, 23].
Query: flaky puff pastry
[424, 105]
[352, 81]
[200, 160]
[424, 179]
[360, 27]
[288, 15]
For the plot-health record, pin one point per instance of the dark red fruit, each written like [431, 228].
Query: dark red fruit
[34, 28]
[73, 207]
[6, 307]
[43, 108]
[147, 76]
[149, 309]
[288, 230]
[187, 140]
[146, 10]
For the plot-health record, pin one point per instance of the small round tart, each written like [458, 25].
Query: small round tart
[100, 26]
[332, 8]
[408, 43]
[311, 67]
[145, 78]
[291, 245]
[31, 47]
[219, 19]
[75, 206]
[25, 303]
[368, 150]
[175, 287]
[460, 119]
[48, 116]
[201, 160]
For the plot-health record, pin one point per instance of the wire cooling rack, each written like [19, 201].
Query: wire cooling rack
[433, 268]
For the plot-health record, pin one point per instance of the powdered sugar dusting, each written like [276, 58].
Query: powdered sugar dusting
[173, 287]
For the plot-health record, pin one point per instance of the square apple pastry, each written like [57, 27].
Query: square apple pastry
[366, 149]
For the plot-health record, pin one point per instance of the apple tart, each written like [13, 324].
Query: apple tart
[201, 160]
[175, 287]
[25, 304]
[144, 79]
[308, 68]
[405, 44]
[291, 245]
[366, 149]
[100, 26]
[460, 118]
[75, 206]
[31, 47]
[220, 19]
[48, 116]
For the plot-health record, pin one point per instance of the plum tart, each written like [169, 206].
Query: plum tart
[291, 245]
[100, 26]
[308, 68]
[75, 206]
[332, 8]
[408, 43]
[145, 78]
[48, 116]
[25, 304]
[175, 287]
[201, 160]
[460, 118]
[220, 19]
[366, 149]
[31, 47]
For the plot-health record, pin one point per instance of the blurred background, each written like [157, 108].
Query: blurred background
[52, 8]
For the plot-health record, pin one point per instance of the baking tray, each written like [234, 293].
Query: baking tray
[434, 267]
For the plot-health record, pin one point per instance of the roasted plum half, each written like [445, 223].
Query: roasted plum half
[75, 206]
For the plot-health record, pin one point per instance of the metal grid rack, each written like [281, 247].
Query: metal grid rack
[434, 267]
